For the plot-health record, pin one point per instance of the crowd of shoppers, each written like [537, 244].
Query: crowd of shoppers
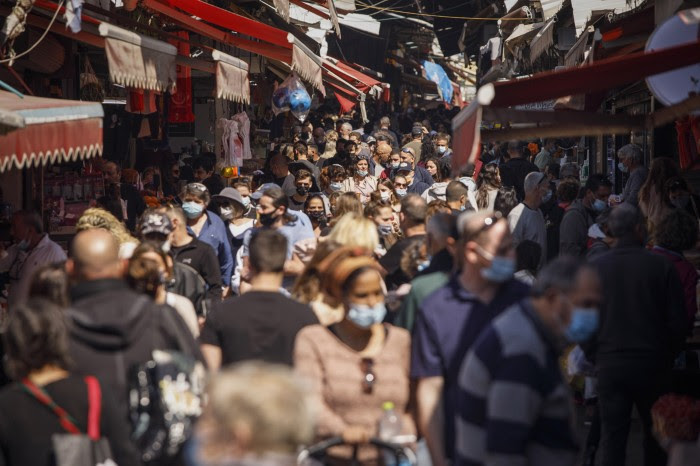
[380, 273]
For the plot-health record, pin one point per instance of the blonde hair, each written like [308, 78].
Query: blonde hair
[354, 230]
[100, 218]
[267, 400]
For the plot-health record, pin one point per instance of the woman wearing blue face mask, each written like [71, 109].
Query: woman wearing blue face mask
[207, 226]
[361, 182]
[358, 363]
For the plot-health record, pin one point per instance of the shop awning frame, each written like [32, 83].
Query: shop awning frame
[494, 99]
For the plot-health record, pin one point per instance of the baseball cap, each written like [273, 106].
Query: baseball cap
[155, 222]
[370, 140]
[417, 131]
[261, 190]
[230, 194]
[403, 167]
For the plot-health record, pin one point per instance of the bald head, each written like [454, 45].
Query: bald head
[94, 255]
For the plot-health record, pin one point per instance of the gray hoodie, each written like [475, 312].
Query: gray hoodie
[436, 191]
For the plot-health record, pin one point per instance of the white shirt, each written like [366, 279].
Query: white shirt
[22, 264]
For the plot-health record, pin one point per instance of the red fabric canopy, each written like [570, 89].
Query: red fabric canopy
[49, 130]
[264, 49]
[359, 80]
[601, 75]
[232, 21]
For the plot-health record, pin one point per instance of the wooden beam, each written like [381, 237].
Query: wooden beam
[553, 131]
[561, 118]
[674, 112]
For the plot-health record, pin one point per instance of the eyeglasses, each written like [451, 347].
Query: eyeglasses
[367, 365]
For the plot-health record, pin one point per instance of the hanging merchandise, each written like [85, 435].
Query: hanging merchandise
[90, 87]
[436, 74]
[292, 96]
[244, 133]
[141, 102]
[231, 142]
[181, 100]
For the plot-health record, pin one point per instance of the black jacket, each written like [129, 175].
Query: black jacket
[188, 283]
[643, 317]
[135, 205]
[202, 258]
[113, 329]
[513, 174]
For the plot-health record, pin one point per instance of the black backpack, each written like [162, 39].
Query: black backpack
[165, 400]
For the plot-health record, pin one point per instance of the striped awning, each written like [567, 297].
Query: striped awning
[47, 130]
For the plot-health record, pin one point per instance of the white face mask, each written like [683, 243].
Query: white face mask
[165, 247]
[386, 195]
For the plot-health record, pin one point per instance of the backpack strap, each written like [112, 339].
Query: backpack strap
[65, 419]
[94, 407]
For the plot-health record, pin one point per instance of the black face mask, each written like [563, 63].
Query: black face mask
[267, 220]
[302, 190]
[317, 215]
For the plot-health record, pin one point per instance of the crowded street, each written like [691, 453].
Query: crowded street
[350, 232]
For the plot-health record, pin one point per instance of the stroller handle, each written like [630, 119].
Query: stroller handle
[317, 450]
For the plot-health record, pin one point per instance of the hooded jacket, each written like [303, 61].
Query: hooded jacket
[438, 191]
[113, 329]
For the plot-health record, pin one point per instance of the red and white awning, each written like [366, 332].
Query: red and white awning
[48, 130]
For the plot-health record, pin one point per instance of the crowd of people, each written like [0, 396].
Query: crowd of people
[364, 261]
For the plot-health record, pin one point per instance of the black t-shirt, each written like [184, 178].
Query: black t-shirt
[391, 261]
[26, 425]
[258, 325]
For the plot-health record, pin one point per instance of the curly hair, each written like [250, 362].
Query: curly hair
[488, 180]
[100, 218]
[568, 190]
[678, 231]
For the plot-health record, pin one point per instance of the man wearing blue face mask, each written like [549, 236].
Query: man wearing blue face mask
[449, 320]
[581, 215]
[513, 403]
[208, 227]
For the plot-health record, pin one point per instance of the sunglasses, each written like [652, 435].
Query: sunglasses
[488, 223]
[367, 366]
[197, 187]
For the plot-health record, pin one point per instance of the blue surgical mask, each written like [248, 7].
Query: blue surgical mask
[335, 186]
[246, 201]
[547, 196]
[599, 205]
[192, 209]
[584, 323]
[401, 192]
[442, 149]
[622, 168]
[365, 316]
[385, 230]
[424, 265]
[362, 173]
[501, 269]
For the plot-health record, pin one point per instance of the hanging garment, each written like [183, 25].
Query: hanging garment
[244, 133]
[231, 142]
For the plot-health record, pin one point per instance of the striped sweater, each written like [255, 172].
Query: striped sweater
[514, 407]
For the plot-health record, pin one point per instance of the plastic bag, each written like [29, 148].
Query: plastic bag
[292, 96]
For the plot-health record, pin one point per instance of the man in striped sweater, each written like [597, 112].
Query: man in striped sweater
[514, 407]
